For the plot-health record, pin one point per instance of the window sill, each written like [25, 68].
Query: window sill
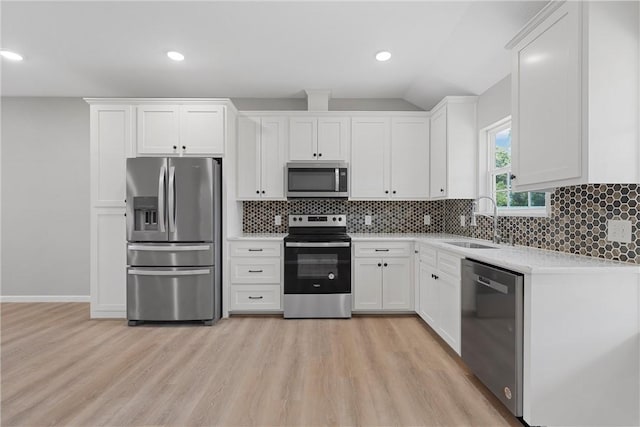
[540, 213]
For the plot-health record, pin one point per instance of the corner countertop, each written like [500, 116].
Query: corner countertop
[276, 237]
[522, 259]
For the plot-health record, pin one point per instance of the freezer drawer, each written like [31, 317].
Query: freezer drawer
[170, 254]
[167, 294]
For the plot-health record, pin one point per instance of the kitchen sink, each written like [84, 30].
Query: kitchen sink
[471, 245]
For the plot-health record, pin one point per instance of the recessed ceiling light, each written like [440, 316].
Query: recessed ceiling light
[176, 56]
[383, 56]
[10, 55]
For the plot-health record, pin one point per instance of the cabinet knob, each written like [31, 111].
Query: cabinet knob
[184, 147]
[175, 147]
[257, 191]
[262, 191]
[386, 191]
[512, 176]
[394, 191]
[314, 154]
[319, 154]
[442, 190]
[379, 265]
[385, 264]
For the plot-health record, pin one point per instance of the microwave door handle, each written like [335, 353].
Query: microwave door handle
[337, 179]
[161, 190]
[172, 199]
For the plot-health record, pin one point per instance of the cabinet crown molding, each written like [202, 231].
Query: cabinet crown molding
[187, 101]
[533, 23]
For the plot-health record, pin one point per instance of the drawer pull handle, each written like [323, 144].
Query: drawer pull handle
[382, 250]
[260, 297]
[316, 285]
[255, 271]
[255, 250]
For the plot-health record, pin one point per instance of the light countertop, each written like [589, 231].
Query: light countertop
[518, 258]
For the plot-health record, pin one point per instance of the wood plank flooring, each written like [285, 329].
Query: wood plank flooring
[61, 368]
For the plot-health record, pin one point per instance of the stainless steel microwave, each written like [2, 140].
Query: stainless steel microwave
[317, 180]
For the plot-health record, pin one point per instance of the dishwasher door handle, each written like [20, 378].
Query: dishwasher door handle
[503, 289]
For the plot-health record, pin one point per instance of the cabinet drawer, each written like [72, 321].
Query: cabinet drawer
[253, 298]
[255, 270]
[449, 263]
[428, 255]
[255, 248]
[382, 249]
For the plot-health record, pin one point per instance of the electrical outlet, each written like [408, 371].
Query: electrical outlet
[463, 221]
[619, 231]
[367, 220]
[277, 220]
[427, 219]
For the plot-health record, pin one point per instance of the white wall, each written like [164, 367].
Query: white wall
[495, 103]
[45, 197]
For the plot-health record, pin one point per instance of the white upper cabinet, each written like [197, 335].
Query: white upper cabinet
[318, 138]
[575, 96]
[370, 166]
[172, 129]
[390, 157]
[409, 158]
[202, 129]
[453, 148]
[158, 129]
[261, 157]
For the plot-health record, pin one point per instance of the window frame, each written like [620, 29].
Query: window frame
[488, 171]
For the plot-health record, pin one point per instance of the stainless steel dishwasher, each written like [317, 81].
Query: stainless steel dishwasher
[492, 316]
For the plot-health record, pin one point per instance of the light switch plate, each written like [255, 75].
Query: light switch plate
[277, 220]
[619, 231]
[427, 219]
[367, 220]
[463, 221]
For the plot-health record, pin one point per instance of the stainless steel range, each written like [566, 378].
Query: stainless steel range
[317, 267]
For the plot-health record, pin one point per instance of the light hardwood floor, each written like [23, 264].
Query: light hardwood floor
[60, 368]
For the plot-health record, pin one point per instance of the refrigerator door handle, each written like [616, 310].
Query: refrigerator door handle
[168, 272]
[161, 205]
[156, 248]
[172, 199]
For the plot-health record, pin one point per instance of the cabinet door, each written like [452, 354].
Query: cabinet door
[248, 178]
[202, 129]
[111, 144]
[367, 289]
[410, 158]
[158, 129]
[438, 154]
[428, 305]
[272, 153]
[547, 102]
[108, 263]
[370, 139]
[303, 138]
[333, 138]
[449, 310]
[397, 289]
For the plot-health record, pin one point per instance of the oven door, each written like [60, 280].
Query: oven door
[317, 268]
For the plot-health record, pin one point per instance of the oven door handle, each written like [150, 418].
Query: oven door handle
[317, 244]
[337, 180]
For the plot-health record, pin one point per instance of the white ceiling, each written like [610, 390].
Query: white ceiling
[259, 49]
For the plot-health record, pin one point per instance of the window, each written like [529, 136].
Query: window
[499, 176]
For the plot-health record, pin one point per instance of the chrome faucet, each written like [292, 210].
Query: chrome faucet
[474, 213]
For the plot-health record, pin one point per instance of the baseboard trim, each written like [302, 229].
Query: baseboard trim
[44, 298]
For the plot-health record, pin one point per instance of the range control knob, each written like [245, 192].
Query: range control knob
[334, 219]
[295, 219]
[340, 219]
[299, 218]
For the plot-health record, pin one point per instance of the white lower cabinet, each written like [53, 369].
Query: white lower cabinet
[382, 283]
[439, 300]
[255, 276]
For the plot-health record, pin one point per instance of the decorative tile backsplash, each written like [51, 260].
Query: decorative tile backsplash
[387, 216]
[578, 221]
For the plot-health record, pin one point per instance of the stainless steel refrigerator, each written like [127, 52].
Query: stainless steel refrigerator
[173, 239]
